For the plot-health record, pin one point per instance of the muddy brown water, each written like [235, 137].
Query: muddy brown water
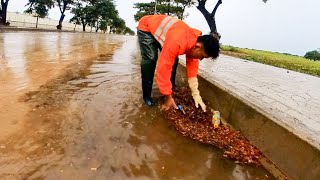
[71, 108]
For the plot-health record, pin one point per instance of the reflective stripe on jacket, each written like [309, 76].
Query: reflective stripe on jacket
[176, 38]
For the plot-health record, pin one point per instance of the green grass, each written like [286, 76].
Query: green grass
[286, 61]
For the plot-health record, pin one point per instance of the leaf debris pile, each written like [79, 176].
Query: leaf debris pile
[197, 125]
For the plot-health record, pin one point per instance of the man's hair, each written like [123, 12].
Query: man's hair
[211, 45]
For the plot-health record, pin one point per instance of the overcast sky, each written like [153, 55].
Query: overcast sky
[290, 26]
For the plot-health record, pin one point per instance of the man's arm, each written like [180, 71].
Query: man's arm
[166, 60]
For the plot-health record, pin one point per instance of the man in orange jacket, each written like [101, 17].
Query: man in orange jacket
[174, 38]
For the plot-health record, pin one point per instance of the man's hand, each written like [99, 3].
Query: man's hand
[193, 84]
[168, 103]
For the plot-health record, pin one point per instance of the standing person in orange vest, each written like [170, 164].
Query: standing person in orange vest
[174, 38]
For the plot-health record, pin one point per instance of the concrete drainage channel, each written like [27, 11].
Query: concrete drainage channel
[287, 155]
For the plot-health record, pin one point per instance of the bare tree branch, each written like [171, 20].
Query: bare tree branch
[209, 18]
[215, 8]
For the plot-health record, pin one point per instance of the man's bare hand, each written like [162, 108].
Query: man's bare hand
[168, 103]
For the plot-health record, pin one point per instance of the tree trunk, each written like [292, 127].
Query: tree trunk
[83, 24]
[97, 27]
[62, 14]
[60, 21]
[211, 22]
[4, 6]
[37, 22]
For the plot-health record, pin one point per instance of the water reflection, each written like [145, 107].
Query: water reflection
[12, 80]
[35, 54]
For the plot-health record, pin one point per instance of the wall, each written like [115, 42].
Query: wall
[28, 21]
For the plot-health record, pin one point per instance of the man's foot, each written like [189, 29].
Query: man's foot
[149, 102]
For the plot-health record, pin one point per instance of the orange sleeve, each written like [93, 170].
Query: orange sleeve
[192, 67]
[166, 60]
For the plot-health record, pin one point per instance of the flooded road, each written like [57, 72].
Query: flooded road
[71, 108]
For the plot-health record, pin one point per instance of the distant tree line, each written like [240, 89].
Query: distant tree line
[100, 14]
[313, 55]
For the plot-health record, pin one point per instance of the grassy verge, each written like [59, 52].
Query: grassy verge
[286, 61]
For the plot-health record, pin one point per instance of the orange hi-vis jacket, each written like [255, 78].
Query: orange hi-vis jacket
[176, 38]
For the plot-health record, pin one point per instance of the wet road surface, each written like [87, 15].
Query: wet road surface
[71, 108]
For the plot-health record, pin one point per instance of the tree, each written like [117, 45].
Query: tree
[91, 23]
[101, 14]
[117, 25]
[63, 6]
[39, 8]
[167, 7]
[82, 15]
[103, 25]
[313, 55]
[170, 7]
[104, 10]
[129, 31]
[144, 9]
[4, 6]
[77, 21]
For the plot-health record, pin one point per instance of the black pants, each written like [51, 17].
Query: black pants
[149, 48]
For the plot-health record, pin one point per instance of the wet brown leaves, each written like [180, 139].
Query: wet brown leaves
[197, 125]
